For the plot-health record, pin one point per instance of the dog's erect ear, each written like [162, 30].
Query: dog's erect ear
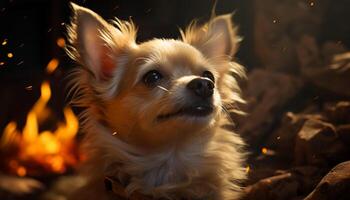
[96, 44]
[216, 38]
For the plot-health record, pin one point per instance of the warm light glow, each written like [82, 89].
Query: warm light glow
[61, 42]
[264, 150]
[4, 42]
[2, 63]
[52, 150]
[9, 135]
[21, 171]
[312, 4]
[247, 169]
[10, 55]
[53, 64]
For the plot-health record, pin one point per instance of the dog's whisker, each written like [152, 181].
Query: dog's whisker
[148, 136]
[162, 88]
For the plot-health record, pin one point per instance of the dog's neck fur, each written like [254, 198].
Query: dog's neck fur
[208, 164]
[199, 170]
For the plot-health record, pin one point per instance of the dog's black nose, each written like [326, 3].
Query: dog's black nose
[202, 87]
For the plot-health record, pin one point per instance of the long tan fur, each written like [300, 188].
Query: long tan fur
[182, 158]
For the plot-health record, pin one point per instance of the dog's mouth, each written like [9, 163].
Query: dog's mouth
[198, 110]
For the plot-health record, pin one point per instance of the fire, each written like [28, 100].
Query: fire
[52, 151]
[264, 150]
[61, 42]
[53, 64]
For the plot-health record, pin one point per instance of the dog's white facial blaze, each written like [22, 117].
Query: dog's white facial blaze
[113, 57]
[113, 89]
[146, 104]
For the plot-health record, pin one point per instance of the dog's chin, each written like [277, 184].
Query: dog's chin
[200, 113]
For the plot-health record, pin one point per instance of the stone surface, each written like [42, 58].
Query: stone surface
[335, 185]
[282, 186]
[316, 144]
[13, 187]
[327, 67]
[285, 185]
[282, 139]
[267, 94]
[344, 133]
[280, 25]
[338, 112]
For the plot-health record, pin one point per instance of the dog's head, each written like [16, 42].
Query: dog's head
[157, 92]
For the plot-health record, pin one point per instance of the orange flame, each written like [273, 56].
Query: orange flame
[51, 150]
[53, 64]
[61, 42]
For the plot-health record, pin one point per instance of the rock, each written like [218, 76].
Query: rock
[63, 187]
[339, 112]
[285, 184]
[317, 143]
[344, 133]
[308, 177]
[279, 25]
[280, 139]
[327, 67]
[13, 187]
[267, 94]
[282, 186]
[335, 185]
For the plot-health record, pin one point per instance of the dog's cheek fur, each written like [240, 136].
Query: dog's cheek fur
[211, 162]
[218, 41]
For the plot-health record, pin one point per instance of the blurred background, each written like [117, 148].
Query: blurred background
[32, 32]
[296, 53]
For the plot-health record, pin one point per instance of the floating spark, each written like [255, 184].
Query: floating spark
[53, 64]
[247, 169]
[4, 42]
[61, 42]
[264, 150]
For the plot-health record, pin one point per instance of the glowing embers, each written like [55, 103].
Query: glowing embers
[51, 67]
[61, 42]
[30, 152]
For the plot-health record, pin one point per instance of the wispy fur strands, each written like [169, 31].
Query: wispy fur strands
[208, 164]
[127, 137]
[204, 37]
[125, 30]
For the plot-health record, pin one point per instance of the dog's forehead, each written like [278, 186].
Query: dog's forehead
[172, 51]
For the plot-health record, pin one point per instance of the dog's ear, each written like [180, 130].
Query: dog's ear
[216, 38]
[98, 45]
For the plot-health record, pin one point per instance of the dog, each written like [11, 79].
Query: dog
[154, 111]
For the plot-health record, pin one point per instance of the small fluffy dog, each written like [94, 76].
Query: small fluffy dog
[155, 110]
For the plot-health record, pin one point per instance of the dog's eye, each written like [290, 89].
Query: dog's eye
[152, 77]
[209, 75]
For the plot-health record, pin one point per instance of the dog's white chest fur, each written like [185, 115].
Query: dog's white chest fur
[205, 168]
[167, 100]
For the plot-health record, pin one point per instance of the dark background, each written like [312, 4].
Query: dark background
[31, 28]
[282, 40]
